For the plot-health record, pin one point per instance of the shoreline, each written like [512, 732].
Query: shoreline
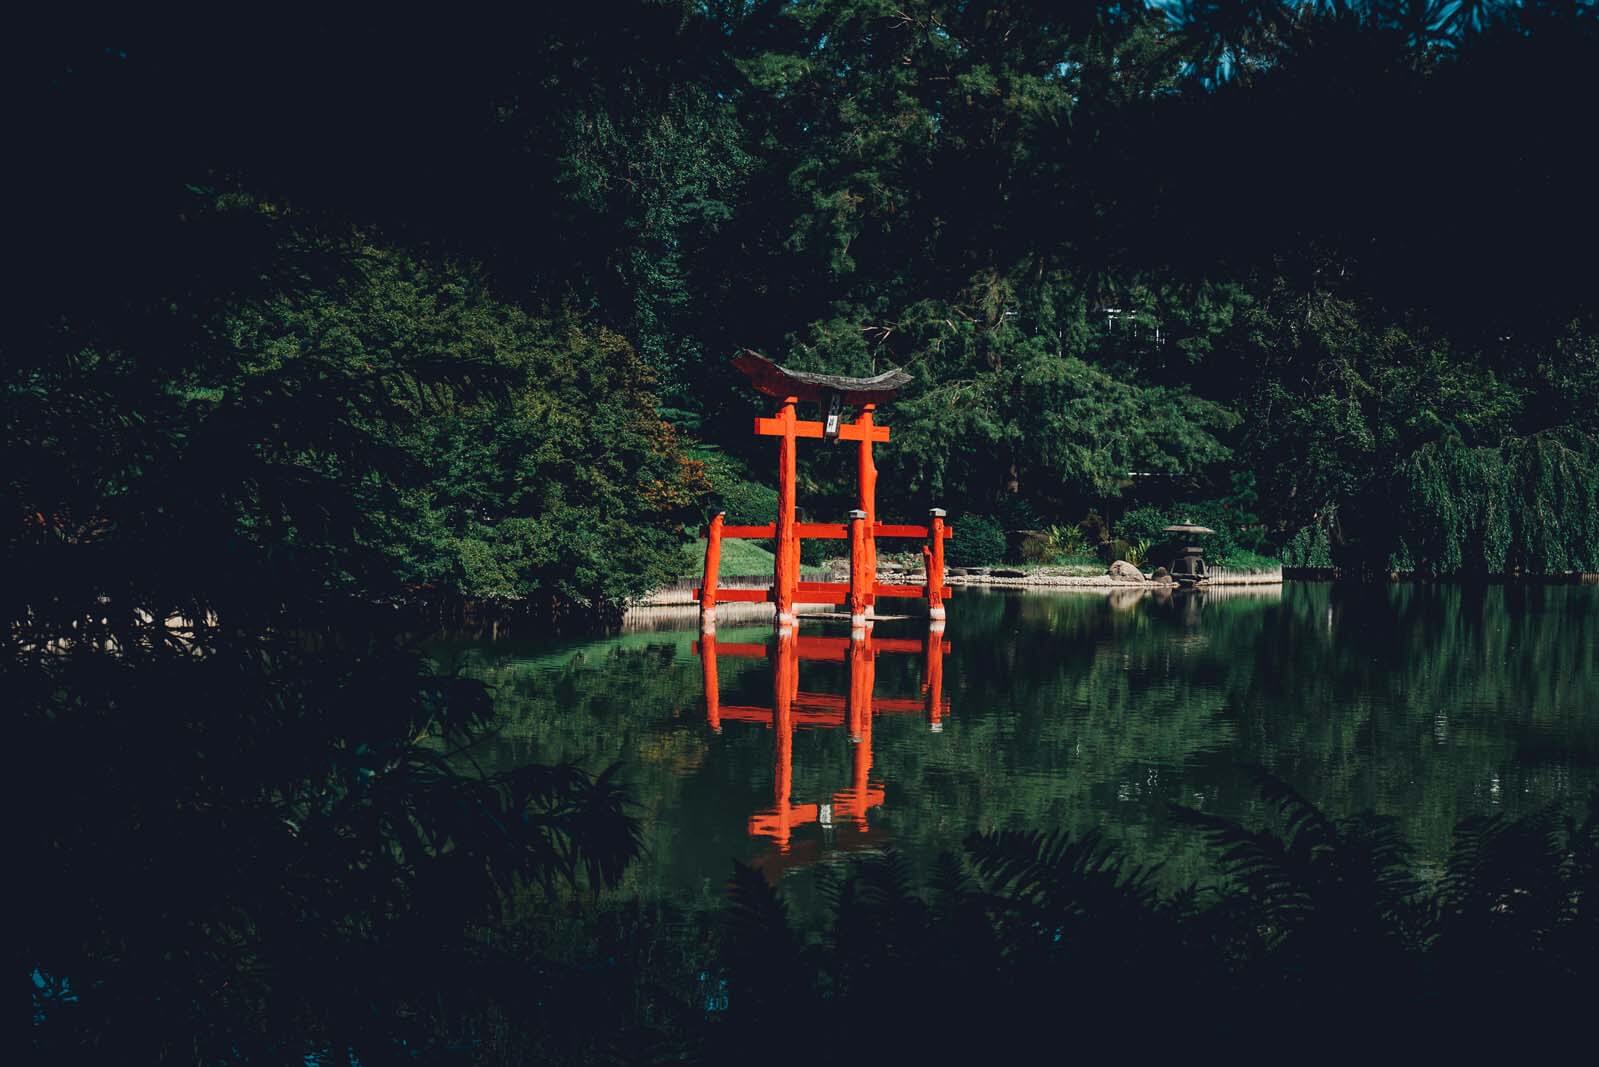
[1105, 581]
[684, 597]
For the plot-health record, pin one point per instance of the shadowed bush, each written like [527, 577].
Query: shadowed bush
[978, 541]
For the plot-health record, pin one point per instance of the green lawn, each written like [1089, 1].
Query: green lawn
[740, 559]
[1243, 561]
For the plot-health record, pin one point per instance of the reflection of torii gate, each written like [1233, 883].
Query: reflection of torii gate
[793, 709]
[863, 529]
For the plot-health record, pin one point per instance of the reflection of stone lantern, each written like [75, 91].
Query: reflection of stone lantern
[1188, 564]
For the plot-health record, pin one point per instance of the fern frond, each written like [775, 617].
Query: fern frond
[1306, 828]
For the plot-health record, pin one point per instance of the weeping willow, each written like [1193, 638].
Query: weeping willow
[1530, 506]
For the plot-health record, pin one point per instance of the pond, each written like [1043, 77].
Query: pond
[1064, 711]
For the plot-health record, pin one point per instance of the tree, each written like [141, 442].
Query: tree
[256, 772]
[534, 470]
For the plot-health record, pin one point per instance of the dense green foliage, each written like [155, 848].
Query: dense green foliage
[1309, 549]
[732, 490]
[544, 475]
[1528, 506]
[381, 411]
[1016, 203]
[978, 540]
[241, 764]
[223, 478]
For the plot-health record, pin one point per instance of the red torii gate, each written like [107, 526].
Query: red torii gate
[794, 709]
[863, 529]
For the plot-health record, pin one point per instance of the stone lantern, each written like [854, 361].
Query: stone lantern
[1188, 564]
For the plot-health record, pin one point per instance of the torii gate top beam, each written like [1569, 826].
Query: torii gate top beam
[773, 380]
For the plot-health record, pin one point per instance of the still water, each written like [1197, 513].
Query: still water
[1064, 711]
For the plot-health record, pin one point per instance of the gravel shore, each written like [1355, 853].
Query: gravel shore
[1105, 581]
[683, 597]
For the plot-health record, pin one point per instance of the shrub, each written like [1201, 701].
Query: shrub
[1138, 552]
[1035, 548]
[1145, 524]
[816, 553]
[978, 541]
[1134, 552]
[732, 491]
[1310, 547]
[1096, 531]
[745, 502]
[1054, 544]
[1068, 540]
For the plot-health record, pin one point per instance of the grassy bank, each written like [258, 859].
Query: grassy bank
[740, 559]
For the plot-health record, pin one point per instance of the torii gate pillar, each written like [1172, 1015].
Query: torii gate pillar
[786, 580]
[867, 482]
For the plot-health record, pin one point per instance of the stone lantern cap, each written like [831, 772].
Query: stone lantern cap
[1186, 528]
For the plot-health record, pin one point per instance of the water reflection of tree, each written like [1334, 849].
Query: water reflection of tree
[1069, 712]
[1320, 923]
[1428, 702]
[636, 701]
[1072, 715]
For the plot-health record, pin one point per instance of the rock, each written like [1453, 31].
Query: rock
[956, 572]
[999, 572]
[1163, 576]
[1125, 599]
[1126, 571]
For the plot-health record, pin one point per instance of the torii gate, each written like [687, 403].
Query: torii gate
[863, 529]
